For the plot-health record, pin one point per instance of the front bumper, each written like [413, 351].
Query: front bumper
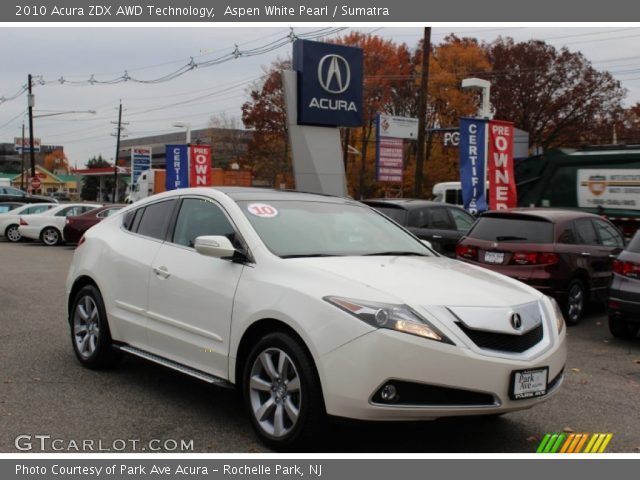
[352, 374]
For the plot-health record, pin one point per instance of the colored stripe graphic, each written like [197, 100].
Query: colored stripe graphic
[574, 443]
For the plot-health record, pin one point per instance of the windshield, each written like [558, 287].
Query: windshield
[300, 229]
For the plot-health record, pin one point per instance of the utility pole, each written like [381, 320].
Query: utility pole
[22, 155]
[115, 162]
[30, 104]
[422, 112]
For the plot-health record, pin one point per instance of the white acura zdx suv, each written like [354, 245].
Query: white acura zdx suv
[309, 305]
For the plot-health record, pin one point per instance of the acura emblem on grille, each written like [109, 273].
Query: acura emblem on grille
[516, 321]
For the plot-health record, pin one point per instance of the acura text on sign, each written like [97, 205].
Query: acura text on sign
[329, 83]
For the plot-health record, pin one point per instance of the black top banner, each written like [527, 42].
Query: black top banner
[319, 11]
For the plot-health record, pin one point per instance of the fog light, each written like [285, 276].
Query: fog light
[388, 393]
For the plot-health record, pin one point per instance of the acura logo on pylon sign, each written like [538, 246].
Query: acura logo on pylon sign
[336, 77]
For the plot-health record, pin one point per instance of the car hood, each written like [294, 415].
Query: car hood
[426, 280]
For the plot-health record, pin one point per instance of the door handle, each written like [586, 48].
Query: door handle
[162, 272]
[437, 237]
[585, 254]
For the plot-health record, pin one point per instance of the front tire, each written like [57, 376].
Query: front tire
[12, 233]
[576, 302]
[50, 236]
[621, 329]
[90, 335]
[282, 393]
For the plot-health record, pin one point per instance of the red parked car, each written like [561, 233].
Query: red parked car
[565, 254]
[76, 226]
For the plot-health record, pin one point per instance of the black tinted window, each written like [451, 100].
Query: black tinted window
[462, 219]
[634, 244]
[497, 229]
[199, 217]
[155, 219]
[608, 235]
[396, 214]
[419, 218]
[586, 232]
[567, 236]
[440, 219]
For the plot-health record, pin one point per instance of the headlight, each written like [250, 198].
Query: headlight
[394, 317]
[557, 312]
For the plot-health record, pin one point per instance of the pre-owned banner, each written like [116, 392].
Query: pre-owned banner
[472, 164]
[177, 166]
[502, 182]
[200, 171]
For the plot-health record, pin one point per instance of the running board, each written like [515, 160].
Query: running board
[205, 377]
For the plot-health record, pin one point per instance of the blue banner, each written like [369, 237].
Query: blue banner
[177, 166]
[329, 83]
[473, 155]
[140, 161]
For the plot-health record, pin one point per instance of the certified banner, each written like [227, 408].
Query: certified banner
[609, 188]
[140, 161]
[201, 167]
[473, 154]
[177, 166]
[502, 183]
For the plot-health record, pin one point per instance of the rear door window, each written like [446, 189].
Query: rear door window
[586, 233]
[515, 229]
[398, 215]
[419, 218]
[440, 219]
[608, 235]
[155, 219]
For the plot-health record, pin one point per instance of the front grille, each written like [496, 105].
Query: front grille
[502, 341]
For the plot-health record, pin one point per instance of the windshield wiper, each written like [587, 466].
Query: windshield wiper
[395, 253]
[506, 238]
[307, 255]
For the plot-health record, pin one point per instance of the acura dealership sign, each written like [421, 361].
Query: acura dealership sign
[329, 84]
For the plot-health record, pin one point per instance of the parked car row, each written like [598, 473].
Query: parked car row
[51, 223]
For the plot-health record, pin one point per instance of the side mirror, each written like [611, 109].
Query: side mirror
[427, 243]
[214, 246]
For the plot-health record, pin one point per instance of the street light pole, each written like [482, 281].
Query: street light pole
[186, 125]
[22, 155]
[30, 104]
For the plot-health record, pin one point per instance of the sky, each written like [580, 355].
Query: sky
[75, 54]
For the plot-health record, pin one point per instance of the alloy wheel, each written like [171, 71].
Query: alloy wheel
[275, 392]
[575, 302]
[13, 234]
[50, 236]
[86, 326]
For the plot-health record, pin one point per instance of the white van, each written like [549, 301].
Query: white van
[450, 192]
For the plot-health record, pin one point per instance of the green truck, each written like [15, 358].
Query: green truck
[603, 180]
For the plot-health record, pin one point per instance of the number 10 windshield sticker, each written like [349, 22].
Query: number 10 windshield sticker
[262, 210]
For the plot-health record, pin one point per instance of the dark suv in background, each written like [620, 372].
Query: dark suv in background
[12, 194]
[624, 294]
[565, 254]
[441, 224]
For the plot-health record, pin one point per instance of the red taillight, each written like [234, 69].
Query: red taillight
[534, 258]
[23, 221]
[467, 251]
[81, 241]
[627, 269]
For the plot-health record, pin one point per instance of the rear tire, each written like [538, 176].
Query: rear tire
[282, 393]
[50, 236]
[12, 233]
[621, 329]
[90, 335]
[575, 303]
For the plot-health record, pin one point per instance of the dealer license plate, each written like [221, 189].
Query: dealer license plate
[493, 257]
[529, 383]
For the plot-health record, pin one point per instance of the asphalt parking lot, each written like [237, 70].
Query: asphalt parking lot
[44, 390]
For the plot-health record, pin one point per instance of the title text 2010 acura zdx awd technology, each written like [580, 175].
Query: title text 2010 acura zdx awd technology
[310, 305]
